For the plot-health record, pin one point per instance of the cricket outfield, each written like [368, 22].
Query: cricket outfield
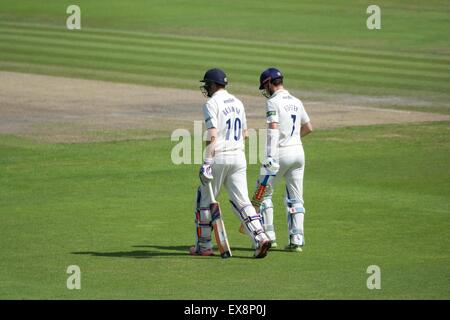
[85, 150]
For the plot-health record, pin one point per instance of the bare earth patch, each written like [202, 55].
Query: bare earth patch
[56, 109]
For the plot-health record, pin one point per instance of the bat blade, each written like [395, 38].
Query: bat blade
[219, 231]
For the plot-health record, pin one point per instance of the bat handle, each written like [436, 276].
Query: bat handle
[211, 193]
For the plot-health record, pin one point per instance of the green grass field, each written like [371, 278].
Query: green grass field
[321, 46]
[374, 195]
[122, 212]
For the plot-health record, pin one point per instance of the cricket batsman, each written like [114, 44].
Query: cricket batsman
[225, 164]
[287, 123]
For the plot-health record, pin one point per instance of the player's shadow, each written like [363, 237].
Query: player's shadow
[150, 252]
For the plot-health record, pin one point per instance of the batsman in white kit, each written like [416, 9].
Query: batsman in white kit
[287, 123]
[225, 164]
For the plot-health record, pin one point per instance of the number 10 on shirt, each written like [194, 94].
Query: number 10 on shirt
[236, 127]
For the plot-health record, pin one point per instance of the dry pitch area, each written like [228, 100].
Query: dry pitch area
[56, 109]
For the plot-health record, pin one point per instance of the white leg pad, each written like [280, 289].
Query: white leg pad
[203, 228]
[267, 218]
[295, 218]
[252, 222]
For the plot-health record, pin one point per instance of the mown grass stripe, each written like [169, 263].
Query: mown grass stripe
[425, 64]
[125, 63]
[236, 86]
[367, 65]
[92, 74]
[115, 64]
[142, 54]
[261, 44]
[168, 57]
[161, 60]
[248, 43]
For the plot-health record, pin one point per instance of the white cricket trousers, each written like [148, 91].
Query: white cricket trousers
[229, 170]
[292, 168]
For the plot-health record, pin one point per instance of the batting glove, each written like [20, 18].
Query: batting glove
[205, 173]
[270, 166]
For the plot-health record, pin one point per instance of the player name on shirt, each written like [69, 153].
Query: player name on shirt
[227, 110]
[291, 107]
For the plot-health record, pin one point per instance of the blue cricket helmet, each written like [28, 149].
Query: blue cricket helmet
[215, 75]
[269, 75]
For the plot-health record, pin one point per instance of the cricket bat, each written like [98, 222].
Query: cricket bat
[260, 191]
[218, 226]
